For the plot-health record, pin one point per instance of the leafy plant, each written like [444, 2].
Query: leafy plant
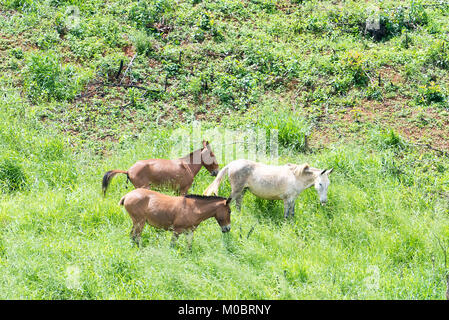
[17, 53]
[45, 78]
[429, 93]
[356, 67]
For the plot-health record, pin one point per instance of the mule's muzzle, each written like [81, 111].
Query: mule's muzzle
[323, 203]
[226, 228]
[214, 173]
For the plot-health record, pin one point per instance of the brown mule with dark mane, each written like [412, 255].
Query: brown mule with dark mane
[178, 173]
[178, 214]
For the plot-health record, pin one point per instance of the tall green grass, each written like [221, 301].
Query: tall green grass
[376, 239]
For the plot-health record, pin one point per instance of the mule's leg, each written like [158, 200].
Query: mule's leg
[136, 231]
[238, 180]
[132, 235]
[286, 208]
[289, 208]
[189, 236]
[174, 238]
[292, 208]
[238, 200]
[237, 194]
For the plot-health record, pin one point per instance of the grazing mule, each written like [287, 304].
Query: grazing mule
[272, 182]
[179, 214]
[178, 173]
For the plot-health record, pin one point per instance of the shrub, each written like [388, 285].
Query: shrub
[110, 30]
[206, 25]
[87, 48]
[223, 88]
[142, 42]
[394, 20]
[438, 54]
[356, 67]
[199, 35]
[108, 66]
[406, 41]
[429, 93]
[196, 86]
[390, 22]
[350, 20]
[46, 78]
[265, 60]
[352, 71]
[268, 5]
[145, 14]
[374, 93]
[235, 92]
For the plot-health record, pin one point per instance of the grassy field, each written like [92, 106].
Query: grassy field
[372, 104]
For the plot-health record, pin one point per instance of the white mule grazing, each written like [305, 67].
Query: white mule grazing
[272, 182]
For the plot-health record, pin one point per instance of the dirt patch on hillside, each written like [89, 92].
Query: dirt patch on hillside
[423, 126]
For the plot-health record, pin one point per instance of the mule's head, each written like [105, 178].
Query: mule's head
[312, 176]
[321, 184]
[223, 215]
[208, 159]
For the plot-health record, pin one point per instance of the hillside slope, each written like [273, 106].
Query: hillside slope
[89, 86]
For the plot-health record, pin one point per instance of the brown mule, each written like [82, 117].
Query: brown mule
[178, 173]
[179, 214]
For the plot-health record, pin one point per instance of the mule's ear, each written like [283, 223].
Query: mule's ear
[322, 172]
[205, 143]
[330, 170]
[228, 200]
[305, 168]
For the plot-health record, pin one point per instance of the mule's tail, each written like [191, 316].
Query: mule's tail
[107, 178]
[213, 188]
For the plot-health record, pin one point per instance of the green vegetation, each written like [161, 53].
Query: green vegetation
[98, 87]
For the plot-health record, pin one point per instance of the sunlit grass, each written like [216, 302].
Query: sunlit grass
[384, 233]
[376, 239]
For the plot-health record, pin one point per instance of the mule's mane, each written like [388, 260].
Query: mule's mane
[191, 153]
[301, 169]
[198, 196]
